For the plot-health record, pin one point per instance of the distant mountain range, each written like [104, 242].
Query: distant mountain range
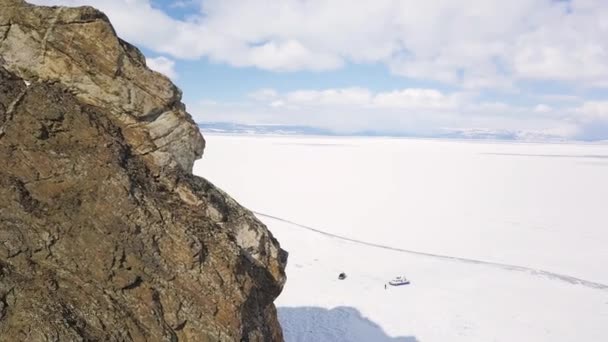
[234, 128]
[473, 134]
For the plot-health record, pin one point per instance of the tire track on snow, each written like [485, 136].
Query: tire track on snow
[508, 267]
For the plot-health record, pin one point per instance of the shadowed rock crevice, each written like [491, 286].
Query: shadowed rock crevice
[104, 232]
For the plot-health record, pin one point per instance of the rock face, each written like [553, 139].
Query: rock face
[104, 233]
[79, 48]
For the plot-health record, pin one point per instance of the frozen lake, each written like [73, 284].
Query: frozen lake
[502, 241]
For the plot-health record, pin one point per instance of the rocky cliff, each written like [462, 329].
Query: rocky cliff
[104, 233]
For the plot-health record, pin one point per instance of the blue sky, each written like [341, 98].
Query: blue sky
[536, 68]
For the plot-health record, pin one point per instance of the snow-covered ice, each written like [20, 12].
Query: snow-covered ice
[502, 241]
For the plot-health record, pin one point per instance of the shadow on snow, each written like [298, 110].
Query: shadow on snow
[341, 324]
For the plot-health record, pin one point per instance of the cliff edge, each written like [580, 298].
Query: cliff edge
[105, 235]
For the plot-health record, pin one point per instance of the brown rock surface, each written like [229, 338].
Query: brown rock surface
[104, 233]
[79, 48]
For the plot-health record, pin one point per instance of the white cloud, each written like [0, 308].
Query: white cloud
[592, 119]
[594, 110]
[265, 94]
[277, 104]
[183, 3]
[542, 108]
[163, 65]
[473, 43]
[347, 96]
[411, 98]
[410, 110]
[287, 55]
[562, 98]
[416, 99]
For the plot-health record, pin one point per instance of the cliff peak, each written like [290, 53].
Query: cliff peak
[79, 48]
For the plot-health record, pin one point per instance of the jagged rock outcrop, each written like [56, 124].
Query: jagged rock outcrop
[104, 233]
[79, 48]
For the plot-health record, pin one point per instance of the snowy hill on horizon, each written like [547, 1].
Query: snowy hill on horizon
[501, 241]
[446, 133]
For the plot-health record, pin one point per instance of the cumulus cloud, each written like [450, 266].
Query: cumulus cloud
[331, 97]
[496, 47]
[473, 43]
[416, 98]
[542, 108]
[594, 110]
[163, 65]
[410, 98]
[592, 119]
